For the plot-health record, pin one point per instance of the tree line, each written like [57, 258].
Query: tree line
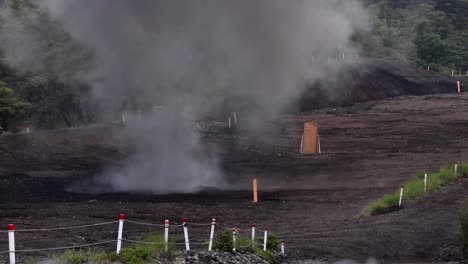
[425, 33]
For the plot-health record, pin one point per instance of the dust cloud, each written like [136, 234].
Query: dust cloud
[185, 57]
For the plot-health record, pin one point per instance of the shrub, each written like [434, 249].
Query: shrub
[223, 242]
[83, 257]
[145, 253]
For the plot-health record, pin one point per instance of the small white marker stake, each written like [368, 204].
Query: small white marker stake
[302, 144]
[282, 247]
[11, 243]
[233, 239]
[265, 239]
[235, 118]
[210, 244]
[425, 182]
[455, 167]
[319, 145]
[166, 235]
[119, 234]
[184, 224]
[253, 232]
[401, 196]
[123, 118]
[229, 122]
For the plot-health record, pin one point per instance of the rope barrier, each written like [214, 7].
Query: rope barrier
[195, 224]
[66, 247]
[145, 224]
[63, 228]
[150, 243]
[199, 243]
[249, 245]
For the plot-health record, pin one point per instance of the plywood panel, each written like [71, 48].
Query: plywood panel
[310, 144]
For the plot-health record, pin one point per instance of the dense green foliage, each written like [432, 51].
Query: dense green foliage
[423, 32]
[415, 188]
[426, 33]
[10, 106]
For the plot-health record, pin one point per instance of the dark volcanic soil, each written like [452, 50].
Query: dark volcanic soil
[316, 203]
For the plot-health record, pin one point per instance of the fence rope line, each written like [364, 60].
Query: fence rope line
[249, 245]
[197, 224]
[66, 247]
[61, 228]
[150, 243]
[145, 224]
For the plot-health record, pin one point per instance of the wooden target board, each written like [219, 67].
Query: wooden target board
[310, 138]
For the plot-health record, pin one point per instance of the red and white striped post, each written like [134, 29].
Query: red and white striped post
[210, 244]
[233, 239]
[184, 224]
[119, 234]
[166, 234]
[265, 238]
[282, 247]
[11, 243]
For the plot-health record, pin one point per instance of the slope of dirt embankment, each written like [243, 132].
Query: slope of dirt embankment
[376, 80]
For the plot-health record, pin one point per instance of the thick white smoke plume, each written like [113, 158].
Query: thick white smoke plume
[186, 56]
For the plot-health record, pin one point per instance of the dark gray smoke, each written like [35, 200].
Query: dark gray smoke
[187, 56]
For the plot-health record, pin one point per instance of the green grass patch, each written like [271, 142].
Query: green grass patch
[137, 253]
[415, 188]
[224, 243]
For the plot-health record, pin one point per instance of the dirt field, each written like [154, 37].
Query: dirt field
[316, 203]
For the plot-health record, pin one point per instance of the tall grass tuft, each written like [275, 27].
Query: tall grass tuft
[415, 188]
[244, 244]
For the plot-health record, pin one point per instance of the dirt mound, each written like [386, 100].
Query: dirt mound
[376, 80]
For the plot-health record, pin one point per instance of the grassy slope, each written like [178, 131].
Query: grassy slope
[415, 187]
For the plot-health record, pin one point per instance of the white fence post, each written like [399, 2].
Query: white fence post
[455, 168]
[253, 233]
[425, 182]
[123, 118]
[401, 196]
[166, 235]
[265, 238]
[229, 121]
[210, 244]
[184, 224]
[11, 243]
[235, 118]
[233, 239]
[119, 234]
[282, 247]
